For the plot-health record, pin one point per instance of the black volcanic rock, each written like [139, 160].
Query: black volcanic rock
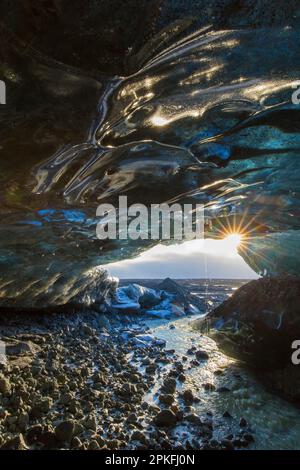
[258, 324]
[182, 296]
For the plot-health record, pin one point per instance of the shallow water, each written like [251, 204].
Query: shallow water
[274, 421]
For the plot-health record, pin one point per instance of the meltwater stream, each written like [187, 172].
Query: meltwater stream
[275, 422]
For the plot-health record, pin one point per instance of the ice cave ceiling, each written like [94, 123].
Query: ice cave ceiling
[197, 114]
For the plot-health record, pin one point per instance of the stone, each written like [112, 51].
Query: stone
[4, 386]
[15, 443]
[209, 387]
[93, 445]
[19, 348]
[201, 355]
[128, 389]
[64, 430]
[166, 399]
[132, 418]
[188, 396]
[194, 419]
[138, 436]
[23, 421]
[165, 418]
[258, 325]
[48, 439]
[87, 330]
[91, 423]
[169, 385]
[33, 433]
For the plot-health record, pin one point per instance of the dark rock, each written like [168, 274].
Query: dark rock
[188, 396]
[5, 386]
[227, 444]
[64, 430]
[182, 296]
[19, 348]
[165, 418]
[34, 433]
[169, 385]
[258, 324]
[224, 389]
[210, 387]
[194, 419]
[201, 355]
[49, 439]
[138, 436]
[243, 423]
[166, 399]
[248, 437]
[16, 443]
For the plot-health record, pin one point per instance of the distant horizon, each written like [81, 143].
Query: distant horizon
[196, 259]
[186, 278]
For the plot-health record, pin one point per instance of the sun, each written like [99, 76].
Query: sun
[231, 242]
[233, 239]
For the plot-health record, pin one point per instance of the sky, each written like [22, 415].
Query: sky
[193, 259]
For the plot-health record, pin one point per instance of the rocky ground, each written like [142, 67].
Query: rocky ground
[81, 382]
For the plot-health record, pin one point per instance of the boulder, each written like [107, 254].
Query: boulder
[190, 302]
[258, 325]
[65, 430]
[165, 418]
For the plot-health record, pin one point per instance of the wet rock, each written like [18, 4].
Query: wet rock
[209, 387]
[166, 399]
[5, 387]
[227, 444]
[87, 330]
[16, 443]
[127, 389]
[41, 407]
[248, 437]
[49, 439]
[224, 389]
[201, 355]
[91, 422]
[194, 419]
[165, 418]
[19, 348]
[169, 385]
[93, 445]
[76, 443]
[258, 324]
[64, 430]
[188, 396]
[139, 436]
[243, 423]
[132, 418]
[23, 421]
